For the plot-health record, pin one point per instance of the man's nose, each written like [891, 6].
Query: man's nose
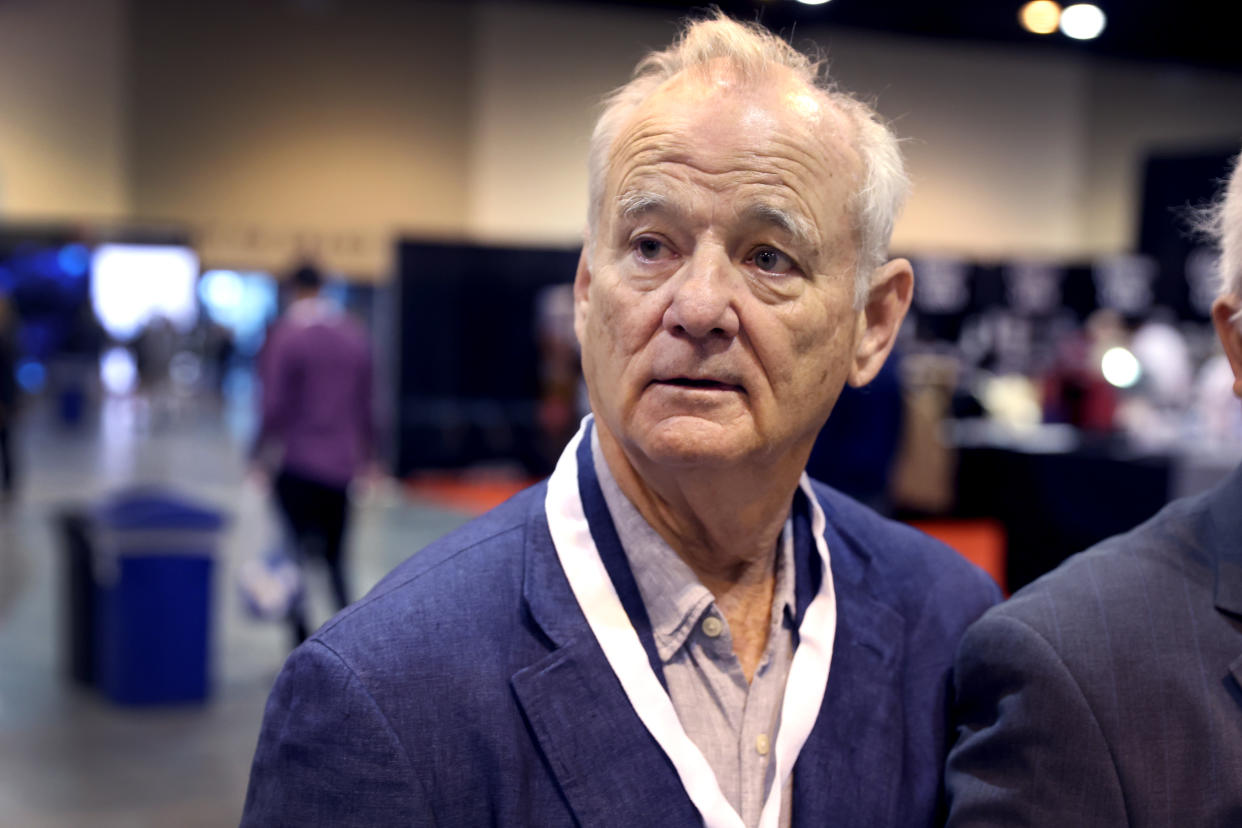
[703, 301]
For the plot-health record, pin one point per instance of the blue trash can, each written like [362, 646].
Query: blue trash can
[153, 556]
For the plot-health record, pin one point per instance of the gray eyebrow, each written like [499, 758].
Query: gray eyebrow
[637, 202]
[792, 224]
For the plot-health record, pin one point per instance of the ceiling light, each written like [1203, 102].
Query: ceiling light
[1082, 21]
[812, 2]
[1040, 16]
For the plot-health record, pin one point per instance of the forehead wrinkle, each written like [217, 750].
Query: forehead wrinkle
[759, 196]
[735, 171]
[813, 167]
[673, 161]
[645, 137]
[818, 165]
[808, 167]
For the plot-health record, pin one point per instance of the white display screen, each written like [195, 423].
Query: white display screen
[132, 283]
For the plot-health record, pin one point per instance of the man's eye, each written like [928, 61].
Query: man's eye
[651, 249]
[771, 260]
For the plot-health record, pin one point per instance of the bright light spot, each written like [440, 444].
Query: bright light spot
[117, 371]
[242, 301]
[812, 2]
[1120, 367]
[221, 289]
[31, 376]
[1082, 21]
[1040, 16]
[133, 283]
[805, 105]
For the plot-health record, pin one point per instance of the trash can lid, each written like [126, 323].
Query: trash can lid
[151, 508]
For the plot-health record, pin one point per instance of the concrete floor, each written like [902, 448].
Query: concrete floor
[69, 757]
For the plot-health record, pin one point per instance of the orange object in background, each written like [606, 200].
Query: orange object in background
[470, 493]
[982, 542]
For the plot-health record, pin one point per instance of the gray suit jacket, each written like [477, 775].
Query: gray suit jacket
[1107, 692]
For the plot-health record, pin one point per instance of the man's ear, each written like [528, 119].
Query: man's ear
[892, 287]
[582, 290]
[1223, 312]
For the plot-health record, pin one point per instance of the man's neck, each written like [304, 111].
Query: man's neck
[726, 528]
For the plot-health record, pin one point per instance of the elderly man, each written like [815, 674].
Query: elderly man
[679, 627]
[1107, 692]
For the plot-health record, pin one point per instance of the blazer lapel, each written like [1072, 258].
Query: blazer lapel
[858, 734]
[609, 768]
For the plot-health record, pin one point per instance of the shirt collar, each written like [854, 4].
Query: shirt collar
[311, 309]
[674, 598]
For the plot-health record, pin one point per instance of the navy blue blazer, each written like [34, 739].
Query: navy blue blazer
[467, 689]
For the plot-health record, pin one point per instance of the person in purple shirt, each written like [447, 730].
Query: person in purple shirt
[317, 420]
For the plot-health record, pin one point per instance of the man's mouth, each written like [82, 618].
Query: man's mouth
[706, 384]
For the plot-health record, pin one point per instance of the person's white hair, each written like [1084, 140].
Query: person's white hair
[752, 52]
[1223, 222]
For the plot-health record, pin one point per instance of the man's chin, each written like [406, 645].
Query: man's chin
[690, 442]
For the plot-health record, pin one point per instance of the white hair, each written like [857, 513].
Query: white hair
[1223, 223]
[753, 52]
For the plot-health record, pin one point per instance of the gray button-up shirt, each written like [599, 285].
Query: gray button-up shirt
[733, 723]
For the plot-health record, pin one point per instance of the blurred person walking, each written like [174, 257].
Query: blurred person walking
[316, 425]
[155, 348]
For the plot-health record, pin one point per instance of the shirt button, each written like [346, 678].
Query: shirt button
[712, 626]
[761, 744]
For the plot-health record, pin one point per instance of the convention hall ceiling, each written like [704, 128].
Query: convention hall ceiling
[1188, 32]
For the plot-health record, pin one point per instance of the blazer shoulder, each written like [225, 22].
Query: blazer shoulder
[897, 553]
[910, 567]
[490, 532]
[1122, 577]
[453, 581]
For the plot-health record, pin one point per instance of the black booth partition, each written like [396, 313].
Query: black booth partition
[469, 356]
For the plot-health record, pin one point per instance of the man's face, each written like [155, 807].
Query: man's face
[716, 312]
